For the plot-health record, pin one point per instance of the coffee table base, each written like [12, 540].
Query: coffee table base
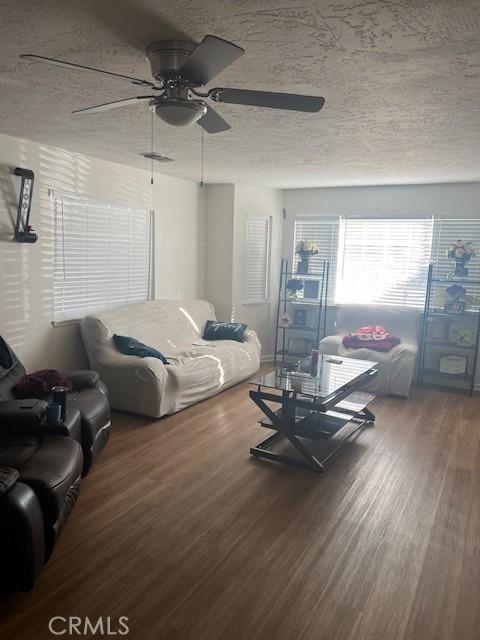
[314, 427]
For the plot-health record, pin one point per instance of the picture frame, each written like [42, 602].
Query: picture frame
[311, 289]
[300, 346]
[461, 334]
[438, 329]
[453, 364]
[300, 317]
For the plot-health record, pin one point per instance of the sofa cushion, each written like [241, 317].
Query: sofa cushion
[217, 330]
[131, 347]
[169, 326]
[16, 449]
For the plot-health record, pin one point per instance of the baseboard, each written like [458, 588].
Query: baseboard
[267, 358]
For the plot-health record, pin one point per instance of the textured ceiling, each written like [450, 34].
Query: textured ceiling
[401, 80]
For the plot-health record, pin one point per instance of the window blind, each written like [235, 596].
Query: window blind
[323, 231]
[103, 255]
[257, 259]
[383, 261]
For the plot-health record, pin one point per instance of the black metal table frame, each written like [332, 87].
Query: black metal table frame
[284, 423]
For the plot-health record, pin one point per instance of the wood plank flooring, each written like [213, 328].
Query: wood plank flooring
[178, 528]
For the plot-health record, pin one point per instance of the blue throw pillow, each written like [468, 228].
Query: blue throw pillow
[132, 347]
[215, 330]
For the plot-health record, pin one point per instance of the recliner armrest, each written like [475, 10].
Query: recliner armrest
[21, 415]
[8, 478]
[82, 378]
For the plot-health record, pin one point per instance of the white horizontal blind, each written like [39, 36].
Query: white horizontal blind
[384, 261]
[103, 255]
[257, 259]
[323, 231]
[447, 230]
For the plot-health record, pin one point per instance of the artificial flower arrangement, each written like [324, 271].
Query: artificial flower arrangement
[460, 252]
[307, 248]
[285, 320]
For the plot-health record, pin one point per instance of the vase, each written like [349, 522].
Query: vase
[460, 270]
[303, 265]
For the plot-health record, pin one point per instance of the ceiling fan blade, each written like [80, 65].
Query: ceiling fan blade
[270, 99]
[82, 67]
[114, 105]
[209, 57]
[212, 122]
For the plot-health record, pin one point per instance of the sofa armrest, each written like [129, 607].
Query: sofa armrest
[331, 345]
[82, 378]
[251, 336]
[133, 383]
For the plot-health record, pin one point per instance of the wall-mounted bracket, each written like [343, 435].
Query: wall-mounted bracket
[23, 230]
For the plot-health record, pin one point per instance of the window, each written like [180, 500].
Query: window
[383, 261]
[257, 259]
[447, 230]
[103, 255]
[323, 231]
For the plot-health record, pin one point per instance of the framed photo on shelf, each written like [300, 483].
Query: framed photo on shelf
[461, 334]
[311, 289]
[302, 346]
[300, 317]
[437, 329]
[453, 364]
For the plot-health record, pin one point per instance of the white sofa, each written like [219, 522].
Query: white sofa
[395, 367]
[145, 385]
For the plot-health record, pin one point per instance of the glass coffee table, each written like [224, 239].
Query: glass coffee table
[314, 405]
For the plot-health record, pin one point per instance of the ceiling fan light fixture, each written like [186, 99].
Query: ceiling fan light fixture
[180, 113]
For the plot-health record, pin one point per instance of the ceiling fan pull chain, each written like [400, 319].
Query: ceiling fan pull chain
[151, 146]
[202, 160]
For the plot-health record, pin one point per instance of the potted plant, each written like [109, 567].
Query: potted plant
[305, 249]
[460, 252]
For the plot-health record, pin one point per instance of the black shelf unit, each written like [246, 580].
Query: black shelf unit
[436, 377]
[316, 308]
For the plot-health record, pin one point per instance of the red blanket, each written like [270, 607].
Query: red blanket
[40, 383]
[374, 336]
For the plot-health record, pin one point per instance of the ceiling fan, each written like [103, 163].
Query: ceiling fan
[179, 67]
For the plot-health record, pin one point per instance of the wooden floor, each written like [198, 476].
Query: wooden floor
[183, 532]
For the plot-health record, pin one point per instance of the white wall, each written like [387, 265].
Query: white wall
[251, 200]
[228, 206]
[26, 271]
[219, 248]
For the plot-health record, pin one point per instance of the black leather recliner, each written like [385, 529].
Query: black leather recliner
[22, 540]
[39, 484]
[41, 467]
[89, 397]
